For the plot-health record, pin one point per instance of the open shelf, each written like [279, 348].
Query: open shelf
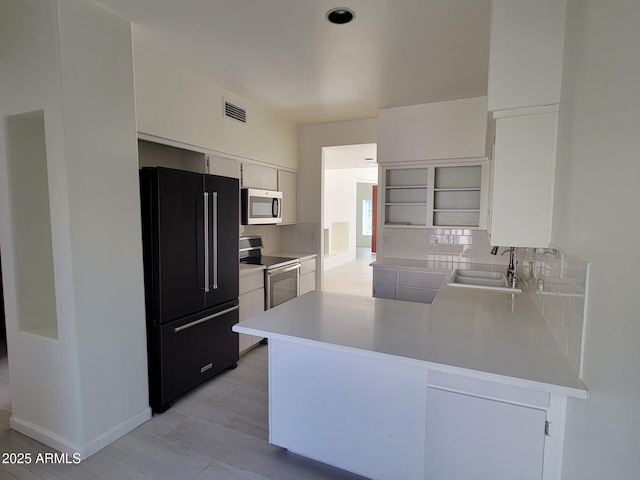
[448, 195]
[457, 196]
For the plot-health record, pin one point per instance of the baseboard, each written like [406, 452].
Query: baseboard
[63, 445]
[116, 432]
[45, 436]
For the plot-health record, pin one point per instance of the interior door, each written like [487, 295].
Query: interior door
[223, 232]
[181, 264]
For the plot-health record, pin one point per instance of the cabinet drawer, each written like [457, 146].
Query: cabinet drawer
[384, 291]
[384, 276]
[420, 295]
[412, 278]
[251, 282]
[185, 358]
[308, 266]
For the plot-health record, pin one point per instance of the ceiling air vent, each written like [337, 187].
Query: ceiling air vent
[234, 112]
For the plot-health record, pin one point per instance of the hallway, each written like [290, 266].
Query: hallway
[353, 278]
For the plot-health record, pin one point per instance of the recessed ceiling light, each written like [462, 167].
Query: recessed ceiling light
[340, 15]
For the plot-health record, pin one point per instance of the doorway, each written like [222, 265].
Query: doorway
[350, 172]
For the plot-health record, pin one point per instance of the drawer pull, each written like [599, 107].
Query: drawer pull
[206, 367]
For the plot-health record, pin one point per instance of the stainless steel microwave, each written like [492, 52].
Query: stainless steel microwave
[261, 207]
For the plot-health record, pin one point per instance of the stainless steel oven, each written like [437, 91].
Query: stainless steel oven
[282, 275]
[282, 283]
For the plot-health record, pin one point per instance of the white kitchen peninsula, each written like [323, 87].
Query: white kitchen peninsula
[403, 390]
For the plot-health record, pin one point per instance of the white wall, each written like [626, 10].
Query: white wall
[596, 217]
[340, 205]
[74, 62]
[312, 138]
[433, 131]
[175, 105]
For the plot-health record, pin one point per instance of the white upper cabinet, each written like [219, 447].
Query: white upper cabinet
[225, 167]
[523, 177]
[525, 56]
[258, 176]
[433, 131]
[288, 185]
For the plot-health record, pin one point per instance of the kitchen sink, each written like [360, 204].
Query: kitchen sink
[480, 279]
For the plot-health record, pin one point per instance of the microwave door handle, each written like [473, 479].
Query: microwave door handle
[215, 240]
[275, 208]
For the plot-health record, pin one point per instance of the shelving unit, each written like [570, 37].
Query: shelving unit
[406, 196]
[436, 195]
[457, 196]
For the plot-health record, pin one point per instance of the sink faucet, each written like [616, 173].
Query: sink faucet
[511, 269]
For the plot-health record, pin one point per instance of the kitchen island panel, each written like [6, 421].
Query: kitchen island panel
[348, 409]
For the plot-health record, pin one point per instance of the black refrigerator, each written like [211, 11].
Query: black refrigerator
[190, 224]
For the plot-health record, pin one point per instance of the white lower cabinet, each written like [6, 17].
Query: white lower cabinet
[307, 276]
[251, 303]
[387, 419]
[474, 437]
[478, 429]
[411, 285]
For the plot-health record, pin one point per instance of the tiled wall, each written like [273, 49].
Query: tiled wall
[562, 298]
[270, 236]
[447, 247]
[298, 238]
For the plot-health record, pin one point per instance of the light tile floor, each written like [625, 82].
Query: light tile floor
[353, 278]
[219, 431]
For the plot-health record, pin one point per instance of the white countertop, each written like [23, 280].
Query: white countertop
[408, 263]
[487, 334]
[443, 265]
[248, 269]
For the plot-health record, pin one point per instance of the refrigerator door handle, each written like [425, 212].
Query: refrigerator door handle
[206, 242]
[202, 320]
[215, 240]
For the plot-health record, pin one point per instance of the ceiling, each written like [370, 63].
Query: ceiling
[285, 56]
[350, 156]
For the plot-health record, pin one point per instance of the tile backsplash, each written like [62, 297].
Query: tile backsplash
[270, 236]
[558, 283]
[298, 238]
[446, 246]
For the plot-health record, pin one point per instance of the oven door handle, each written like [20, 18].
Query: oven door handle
[277, 271]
